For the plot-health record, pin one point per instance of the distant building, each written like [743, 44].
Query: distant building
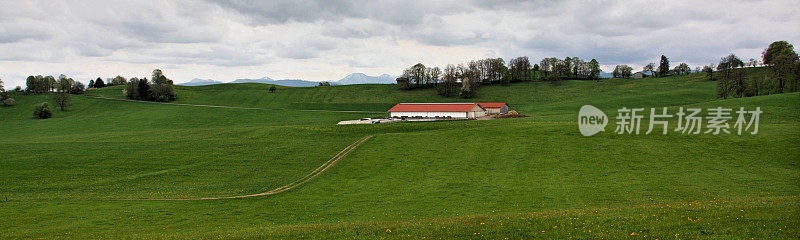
[403, 82]
[642, 74]
[437, 110]
[495, 108]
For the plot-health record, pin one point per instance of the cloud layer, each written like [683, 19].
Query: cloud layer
[326, 40]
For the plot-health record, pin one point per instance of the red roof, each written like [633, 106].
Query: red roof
[433, 107]
[492, 104]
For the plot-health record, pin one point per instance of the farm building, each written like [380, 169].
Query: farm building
[495, 108]
[643, 74]
[437, 110]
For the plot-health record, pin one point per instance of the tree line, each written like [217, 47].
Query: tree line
[5, 98]
[99, 83]
[464, 79]
[783, 66]
[159, 88]
[41, 84]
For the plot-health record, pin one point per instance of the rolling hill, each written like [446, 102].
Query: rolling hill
[98, 169]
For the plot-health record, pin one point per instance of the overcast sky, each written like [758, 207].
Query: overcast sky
[327, 39]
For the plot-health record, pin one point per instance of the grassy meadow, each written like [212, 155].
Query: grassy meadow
[72, 176]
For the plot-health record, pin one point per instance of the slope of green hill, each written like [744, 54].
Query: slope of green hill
[516, 178]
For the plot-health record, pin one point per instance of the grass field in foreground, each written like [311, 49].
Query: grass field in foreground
[516, 178]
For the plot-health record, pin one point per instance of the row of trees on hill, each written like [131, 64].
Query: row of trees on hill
[5, 97]
[663, 69]
[554, 69]
[783, 66]
[99, 83]
[159, 88]
[42, 84]
[464, 79]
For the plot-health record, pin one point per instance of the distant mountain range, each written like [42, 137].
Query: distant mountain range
[354, 78]
[604, 74]
[285, 82]
[360, 78]
[200, 82]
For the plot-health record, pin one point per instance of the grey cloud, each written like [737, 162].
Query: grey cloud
[383, 34]
[14, 32]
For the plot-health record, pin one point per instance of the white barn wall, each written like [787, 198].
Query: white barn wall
[430, 114]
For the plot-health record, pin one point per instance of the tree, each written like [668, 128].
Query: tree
[1, 86]
[663, 66]
[752, 62]
[627, 71]
[729, 82]
[144, 90]
[728, 63]
[617, 73]
[519, 69]
[738, 83]
[77, 88]
[498, 71]
[682, 69]
[91, 84]
[709, 71]
[99, 83]
[776, 49]
[64, 83]
[594, 70]
[6, 99]
[649, 68]
[61, 99]
[39, 84]
[50, 83]
[784, 69]
[469, 81]
[418, 74]
[273, 88]
[467, 90]
[450, 77]
[118, 80]
[578, 67]
[132, 89]
[161, 90]
[434, 74]
[42, 111]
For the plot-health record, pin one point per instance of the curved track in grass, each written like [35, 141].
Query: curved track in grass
[319, 170]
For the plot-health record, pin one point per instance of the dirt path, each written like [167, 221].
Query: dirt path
[319, 170]
[218, 106]
[176, 104]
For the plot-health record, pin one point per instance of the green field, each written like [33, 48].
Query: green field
[103, 168]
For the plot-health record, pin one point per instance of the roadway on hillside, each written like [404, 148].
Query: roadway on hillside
[218, 106]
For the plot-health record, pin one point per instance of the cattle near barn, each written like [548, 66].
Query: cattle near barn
[495, 107]
[437, 110]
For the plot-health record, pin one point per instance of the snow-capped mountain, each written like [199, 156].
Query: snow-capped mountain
[360, 78]
[199, 82]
